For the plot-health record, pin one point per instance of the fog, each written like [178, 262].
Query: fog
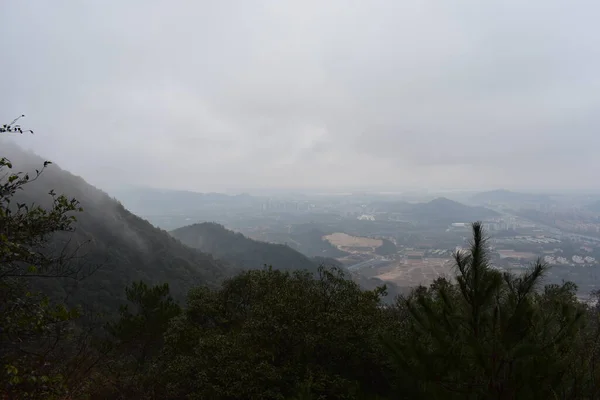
[329, 95]
[99, 208]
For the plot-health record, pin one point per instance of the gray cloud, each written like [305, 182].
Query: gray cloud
[237, 94]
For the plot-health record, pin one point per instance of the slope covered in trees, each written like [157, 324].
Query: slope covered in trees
[108, 240]
[241, 251]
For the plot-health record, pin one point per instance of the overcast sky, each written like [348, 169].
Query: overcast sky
[228, 95]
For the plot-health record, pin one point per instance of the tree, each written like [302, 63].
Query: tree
[490, 334]
[270, 334]
[25, 228]
[32, 329]
[136, 338]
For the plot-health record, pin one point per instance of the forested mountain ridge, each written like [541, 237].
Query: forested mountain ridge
[117, 245]
[241, 251]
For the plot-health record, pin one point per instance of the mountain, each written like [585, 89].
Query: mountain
[439, 210]
[502, 196]
[118, 246]
[241, 251]
[450, 210]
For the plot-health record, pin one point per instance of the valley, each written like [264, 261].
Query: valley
[407, 243]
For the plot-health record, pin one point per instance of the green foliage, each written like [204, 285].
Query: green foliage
[136, 338]
[25, 228]
[33, 331]
[32, 340]
[154, 309]
[489, 335]
[265, 333]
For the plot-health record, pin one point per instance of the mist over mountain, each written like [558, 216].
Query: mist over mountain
[115, 244]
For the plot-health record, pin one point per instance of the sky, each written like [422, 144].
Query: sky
[236, 95]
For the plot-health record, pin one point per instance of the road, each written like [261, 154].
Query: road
[369, 263]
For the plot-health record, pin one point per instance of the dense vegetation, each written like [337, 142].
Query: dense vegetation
[272, 334]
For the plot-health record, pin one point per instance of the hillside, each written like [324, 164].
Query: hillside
[117, 245]
[241, 251]
[450, 210]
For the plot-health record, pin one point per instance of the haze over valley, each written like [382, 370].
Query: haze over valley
[421, 230]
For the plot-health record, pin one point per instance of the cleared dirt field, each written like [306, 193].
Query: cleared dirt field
[350, 243]
[516, 254]
[417, 272]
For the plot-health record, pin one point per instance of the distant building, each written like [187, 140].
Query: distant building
[366, 217]
[577, 259]
[414, 255]
[550, 260]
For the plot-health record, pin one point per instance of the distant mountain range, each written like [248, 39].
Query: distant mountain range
[502, 196]
[440, 209]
